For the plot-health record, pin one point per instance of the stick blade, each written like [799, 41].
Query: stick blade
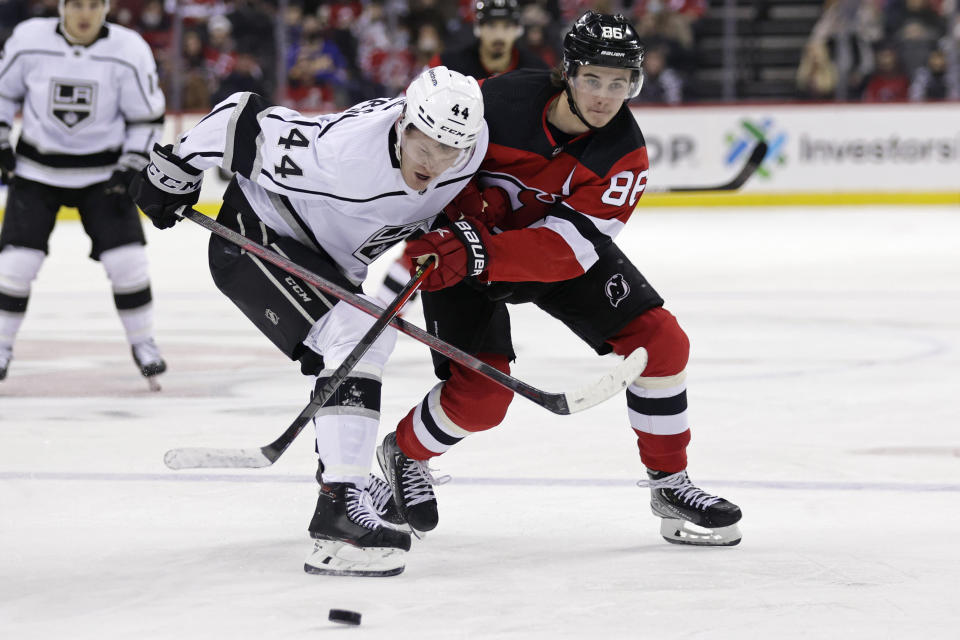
[206, 458]
[610, 384]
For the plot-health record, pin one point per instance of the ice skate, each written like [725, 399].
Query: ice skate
[6, 355]
[412, 485]
[381, 496]
[690, 515]
[146, 355]
[350, 539]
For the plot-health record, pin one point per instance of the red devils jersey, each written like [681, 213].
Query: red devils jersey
[571, 197]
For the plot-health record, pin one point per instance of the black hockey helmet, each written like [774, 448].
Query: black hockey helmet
[487, 10]
[604, 40]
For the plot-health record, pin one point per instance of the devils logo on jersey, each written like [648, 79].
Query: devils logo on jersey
[617, 289]
[71, 103]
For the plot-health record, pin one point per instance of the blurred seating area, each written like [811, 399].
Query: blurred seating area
[324, 55]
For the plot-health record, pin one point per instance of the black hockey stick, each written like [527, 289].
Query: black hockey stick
[753, 163]
[562, 403]
[197, 457]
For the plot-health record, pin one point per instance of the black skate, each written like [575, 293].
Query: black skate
[690, 515]
[381, 496]
[146, 355]
[412, 485]
[350, 539]
[6, 355]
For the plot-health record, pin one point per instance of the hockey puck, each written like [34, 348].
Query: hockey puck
[344, 617]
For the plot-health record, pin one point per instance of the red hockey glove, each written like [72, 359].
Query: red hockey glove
[487, 206]
[460, 250]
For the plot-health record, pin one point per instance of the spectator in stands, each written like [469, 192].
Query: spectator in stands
[661, 84]
[496, 48]
[917, 32]
[661, 27]
[154, 25]
[933, 81]
[383, 54]
[316, 68]
[195, 75]
[849, 29]
[220, 51]
[246, 76]
[817, 75]
[888, 82]
[248, 19]
[428, 44]
[535, 41]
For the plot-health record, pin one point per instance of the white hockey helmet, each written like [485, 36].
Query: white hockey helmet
[445, 105]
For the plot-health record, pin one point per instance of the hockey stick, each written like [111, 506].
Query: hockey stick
[749, 168]
[562, 403]
[201, 457]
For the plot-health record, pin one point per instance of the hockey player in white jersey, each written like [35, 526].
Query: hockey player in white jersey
[92, 111]
[331, 193]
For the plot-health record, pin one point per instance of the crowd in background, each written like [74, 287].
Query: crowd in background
[883, 51]
[329, 54]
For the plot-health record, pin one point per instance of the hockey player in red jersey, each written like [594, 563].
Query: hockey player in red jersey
[565, 167]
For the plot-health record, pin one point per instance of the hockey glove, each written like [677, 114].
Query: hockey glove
[460, 251]
[164, 186]
[129, 165]
[487, 206]
[8, 160]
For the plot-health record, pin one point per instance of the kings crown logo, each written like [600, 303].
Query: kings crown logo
[71, 102]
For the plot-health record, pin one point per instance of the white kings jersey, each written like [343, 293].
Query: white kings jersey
[82, 105]
[331, 182]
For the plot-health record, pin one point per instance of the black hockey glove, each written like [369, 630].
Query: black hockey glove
[129, 165]
[8, 161]
[164, 186]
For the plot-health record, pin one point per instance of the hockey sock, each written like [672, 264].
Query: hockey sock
[127, 270]
[18, 268]
[657, 400]
[346, 426]
[466, 403]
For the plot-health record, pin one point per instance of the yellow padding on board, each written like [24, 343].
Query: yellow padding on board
[725, 199]
[728, 199]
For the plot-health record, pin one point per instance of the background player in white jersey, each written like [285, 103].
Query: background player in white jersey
[91, 112]
[331, 193]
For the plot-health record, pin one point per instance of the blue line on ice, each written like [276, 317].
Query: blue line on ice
[786, 485]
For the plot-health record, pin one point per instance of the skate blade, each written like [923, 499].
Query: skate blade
[683, 532]
[154, 384]
[336, 558]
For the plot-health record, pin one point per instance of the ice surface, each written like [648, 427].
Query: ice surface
[823, 389]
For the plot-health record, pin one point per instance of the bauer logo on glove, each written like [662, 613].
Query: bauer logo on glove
[460, 249]
[477, 259]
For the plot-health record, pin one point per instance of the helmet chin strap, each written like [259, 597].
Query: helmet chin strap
[576, 112]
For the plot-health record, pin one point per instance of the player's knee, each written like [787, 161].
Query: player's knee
[473, 401]
[126, 266]
[657, 331]
[336, 334]
[19, 266]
